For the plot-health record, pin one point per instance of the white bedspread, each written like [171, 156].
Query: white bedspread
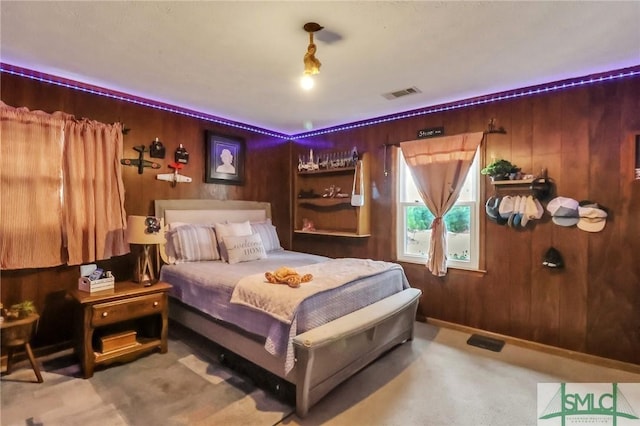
[281, 301]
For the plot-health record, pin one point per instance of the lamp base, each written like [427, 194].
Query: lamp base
[143, 273]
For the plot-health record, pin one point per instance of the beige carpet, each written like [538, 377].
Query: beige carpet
[437, 379]
[186, 386]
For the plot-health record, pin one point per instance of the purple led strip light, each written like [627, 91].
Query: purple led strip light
[95, 90]
[511, 94]
[500, 96]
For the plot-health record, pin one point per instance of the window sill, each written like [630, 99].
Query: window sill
[455, 269]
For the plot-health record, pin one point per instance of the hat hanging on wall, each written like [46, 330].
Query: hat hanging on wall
[564, 211]
[492, 208]
[593, 217]
[552, 259]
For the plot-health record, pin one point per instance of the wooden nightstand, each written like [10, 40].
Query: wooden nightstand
[121, 324]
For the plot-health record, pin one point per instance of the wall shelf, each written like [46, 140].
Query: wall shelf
[332, 233]
[333, 201]
[332, 216]
[325, 171]
[512, 182]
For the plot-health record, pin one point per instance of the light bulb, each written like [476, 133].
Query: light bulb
[307, 82]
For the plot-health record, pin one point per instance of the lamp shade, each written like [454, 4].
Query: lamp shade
[138, 231]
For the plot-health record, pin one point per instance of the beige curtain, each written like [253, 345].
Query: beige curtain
[94, 214]
[439, 168]
[31, 144]
[61, 193]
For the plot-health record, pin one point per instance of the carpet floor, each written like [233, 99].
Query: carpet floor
[186, 386]
[437, 379]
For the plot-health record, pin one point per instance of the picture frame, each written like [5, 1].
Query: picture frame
[224, 159]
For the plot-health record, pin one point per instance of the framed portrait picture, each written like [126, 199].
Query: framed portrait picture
[224, 159]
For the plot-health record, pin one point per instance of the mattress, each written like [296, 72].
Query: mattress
[208, 287]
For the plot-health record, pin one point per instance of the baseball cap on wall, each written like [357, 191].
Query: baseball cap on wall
[552, 259]
[492, 208]
[564, 211]
[506, 206]
[592, 218]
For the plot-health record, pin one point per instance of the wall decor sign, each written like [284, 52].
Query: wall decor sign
[224, 159]
[430, 132]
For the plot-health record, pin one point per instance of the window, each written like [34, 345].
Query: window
[413, 231]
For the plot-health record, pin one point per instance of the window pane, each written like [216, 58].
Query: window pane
[458, 220]
[467, 193]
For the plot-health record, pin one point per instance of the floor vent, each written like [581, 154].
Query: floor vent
[403, 92]
[484, 342]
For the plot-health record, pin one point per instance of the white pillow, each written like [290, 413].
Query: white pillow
[193, 243]
[235, 229]
[268, 233]
[244, 248]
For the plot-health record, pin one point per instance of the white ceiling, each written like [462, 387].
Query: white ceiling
[242, 61]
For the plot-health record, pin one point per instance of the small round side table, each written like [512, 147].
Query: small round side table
[16, 334]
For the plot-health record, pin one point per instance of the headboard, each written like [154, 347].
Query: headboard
[224, 209]
[209, 212]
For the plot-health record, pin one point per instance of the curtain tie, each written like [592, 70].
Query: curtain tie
[436, 222]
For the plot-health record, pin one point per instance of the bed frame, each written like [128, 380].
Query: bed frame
[325, 356]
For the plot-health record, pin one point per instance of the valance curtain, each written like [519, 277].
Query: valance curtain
[439, 167]
[62, 195]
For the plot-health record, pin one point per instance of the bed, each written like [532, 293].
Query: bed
[314, 336]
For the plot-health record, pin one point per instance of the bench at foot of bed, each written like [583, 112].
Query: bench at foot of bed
[328, 355]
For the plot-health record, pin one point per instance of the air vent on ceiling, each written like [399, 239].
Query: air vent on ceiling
[400, 93]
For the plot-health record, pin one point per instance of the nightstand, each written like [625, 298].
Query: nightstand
[121, 324]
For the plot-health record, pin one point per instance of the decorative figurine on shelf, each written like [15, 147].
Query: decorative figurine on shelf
[307, 225]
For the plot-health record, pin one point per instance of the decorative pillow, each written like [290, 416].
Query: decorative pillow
[193, 243]
[268, 233]
[174, 225]
[244, 248]
[235, 229]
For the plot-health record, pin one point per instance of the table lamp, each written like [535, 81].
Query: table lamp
[147, 231]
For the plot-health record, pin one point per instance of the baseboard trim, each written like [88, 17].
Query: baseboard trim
[553, 350]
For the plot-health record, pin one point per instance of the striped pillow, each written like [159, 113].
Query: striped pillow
[268, 234]
[194, 243]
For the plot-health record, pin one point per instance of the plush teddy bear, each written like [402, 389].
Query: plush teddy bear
[288, 276]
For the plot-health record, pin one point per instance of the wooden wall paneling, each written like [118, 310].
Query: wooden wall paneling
[610, 290]
[520, 128]
[271, 170]
[546, 116]
[575, 158]
[627, 215]
[628, 225]
[487, 299]
[382, 242]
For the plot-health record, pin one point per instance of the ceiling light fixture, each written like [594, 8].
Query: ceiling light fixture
[311, 63]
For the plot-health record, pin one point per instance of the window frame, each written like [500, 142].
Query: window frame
[473, 264]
